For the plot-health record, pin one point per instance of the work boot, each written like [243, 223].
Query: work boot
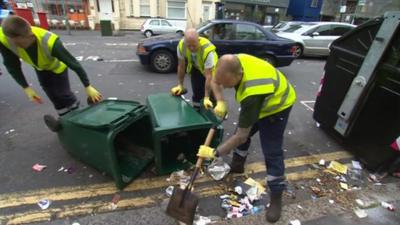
[52, 123]
[275, 207]
[237, 164]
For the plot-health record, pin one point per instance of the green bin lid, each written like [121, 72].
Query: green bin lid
[106, 113]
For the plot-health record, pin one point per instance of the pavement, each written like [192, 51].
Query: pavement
[85, 195]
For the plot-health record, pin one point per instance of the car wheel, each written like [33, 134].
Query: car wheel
[148, 33]
[270, 58]
[297, 50]
[162, 61]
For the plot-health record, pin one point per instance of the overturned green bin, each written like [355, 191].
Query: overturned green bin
[178, 131]
[113, 136]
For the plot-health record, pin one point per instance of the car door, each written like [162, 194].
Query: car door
[222, 35]
[155, 26]
[317, 40]
[166, 27]
[250, 39]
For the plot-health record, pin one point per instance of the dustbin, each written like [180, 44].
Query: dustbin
[178, 131]
[106, 28]
[43, 20]
[113, 136]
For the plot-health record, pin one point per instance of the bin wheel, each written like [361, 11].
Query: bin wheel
[148, 33]
[297, 50]
[162, 61]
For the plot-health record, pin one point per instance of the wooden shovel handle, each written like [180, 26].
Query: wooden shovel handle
[209, 138]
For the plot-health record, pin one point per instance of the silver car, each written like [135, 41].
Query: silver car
[158, 26]
[314, 38]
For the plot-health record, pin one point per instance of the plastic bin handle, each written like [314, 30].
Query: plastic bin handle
[120, 120]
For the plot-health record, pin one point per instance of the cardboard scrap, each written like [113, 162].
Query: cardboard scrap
[338, 167]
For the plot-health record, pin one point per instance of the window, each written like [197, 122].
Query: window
[165, 23]
[155, 23]
[314, 3]
[324, 30]
[176, 9]
[221, 31]
[206, 12]
[144, 7]
[338, 30]
[248, 32]
[131, 8]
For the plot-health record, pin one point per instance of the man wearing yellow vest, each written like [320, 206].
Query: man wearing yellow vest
[201, 58]
[266, 98]
[45, 52]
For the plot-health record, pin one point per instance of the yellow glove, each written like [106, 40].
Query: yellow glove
[206, 152]
[177, 90]
[207, 103]
[32, 95]
[93, 94]
[220, 109]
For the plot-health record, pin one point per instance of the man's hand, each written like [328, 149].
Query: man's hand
[93, 94]
[32, 95]
[207, 103]
[177, 90]
[220, 109]
[206, 152]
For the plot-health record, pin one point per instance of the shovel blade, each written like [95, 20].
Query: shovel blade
[183, 212]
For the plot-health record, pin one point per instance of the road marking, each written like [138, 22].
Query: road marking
[122, 60]
[305, 103]
[129, 203]
[78, 192]
[120, 44]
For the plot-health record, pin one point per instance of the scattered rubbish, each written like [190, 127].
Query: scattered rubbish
[202, 220]
[338, 167]
[61, 169]
[179, 177]
[318, 180]
[290, 132]
[116, 198]
[9, 131]
[360, 203]
[121, 83]
[356, 165]
[344, 186]
[355, 174]
[238, 190]
[313, 197]
[322, 162]
[169, 191]
[331, 201]
[360, 213]
[151, 84]
[90, 175]
[70, 170]
[316, 191]
[295, 222]
[37, 167]
[44, 203]
[376, 178]
[218, 169]
[113, 206]
[388, 206]
[299, 206]
[99, 75]
[252, 182]
[75, 223]
[318, 124]
[314, 83]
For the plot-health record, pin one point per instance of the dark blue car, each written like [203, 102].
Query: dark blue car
[229, 36]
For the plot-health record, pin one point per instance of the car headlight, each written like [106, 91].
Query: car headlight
[141, 49]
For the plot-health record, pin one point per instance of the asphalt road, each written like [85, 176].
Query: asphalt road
[25, 140]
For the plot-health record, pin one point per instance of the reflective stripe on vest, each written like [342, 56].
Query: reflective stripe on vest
[272, 82]
[45, 42]
[206, 47]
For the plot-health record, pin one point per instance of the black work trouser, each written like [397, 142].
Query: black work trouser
[198, 87]
[57, 88]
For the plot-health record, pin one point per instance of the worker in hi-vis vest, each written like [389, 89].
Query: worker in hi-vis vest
[44, 51]
[266, 98]
[199, 55]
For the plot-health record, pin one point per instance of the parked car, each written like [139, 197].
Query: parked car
[283, 25]
[314, 38]
[158, 26]
[229, 36]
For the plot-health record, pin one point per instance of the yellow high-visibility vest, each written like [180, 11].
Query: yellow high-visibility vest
[260, 77]
[45, 41]
[205, 48]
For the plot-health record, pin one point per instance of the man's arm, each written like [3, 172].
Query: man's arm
[181, 67]
[65, 56]
[13, 65]
[250, 109]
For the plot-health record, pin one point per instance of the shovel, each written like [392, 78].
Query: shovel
[183, 203]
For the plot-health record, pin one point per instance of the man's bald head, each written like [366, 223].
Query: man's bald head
[228, 71]
[16, 26]
[192, 39]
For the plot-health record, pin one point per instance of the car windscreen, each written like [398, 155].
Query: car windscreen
[297, 28]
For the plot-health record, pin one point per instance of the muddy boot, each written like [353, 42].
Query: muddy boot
[275, 207]
[52, 123]
[237, 164]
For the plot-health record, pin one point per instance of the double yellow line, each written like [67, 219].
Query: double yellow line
[84, 192]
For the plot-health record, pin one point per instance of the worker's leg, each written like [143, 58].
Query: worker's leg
[197, 80]
[240, 153]
[58, 90]
[272, 129]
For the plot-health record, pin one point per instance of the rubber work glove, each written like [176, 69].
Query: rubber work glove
[32, 95]
[177, 90]
[220, 109]
[93, 94]
[207, 103]
[206, 152]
